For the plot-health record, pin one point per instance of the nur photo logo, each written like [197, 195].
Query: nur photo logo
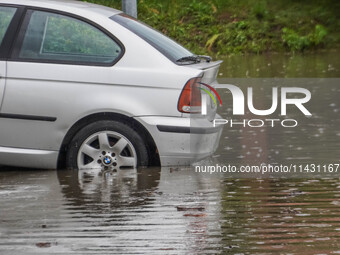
[280, 98]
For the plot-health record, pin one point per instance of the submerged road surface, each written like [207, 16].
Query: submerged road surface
[166, 211]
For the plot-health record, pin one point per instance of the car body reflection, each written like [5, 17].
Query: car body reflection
[122, 188]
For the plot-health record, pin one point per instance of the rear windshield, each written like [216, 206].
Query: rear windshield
[164, 44]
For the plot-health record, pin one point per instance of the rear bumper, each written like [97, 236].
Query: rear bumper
[182, 141]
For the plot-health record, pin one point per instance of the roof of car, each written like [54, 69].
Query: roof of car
[67, 4]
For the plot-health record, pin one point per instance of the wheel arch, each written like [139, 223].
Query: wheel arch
[131, 122]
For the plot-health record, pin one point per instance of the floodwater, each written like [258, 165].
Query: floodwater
[321, 65]
[180, 211]
[315, 139]
[166, 212]
[293, 138]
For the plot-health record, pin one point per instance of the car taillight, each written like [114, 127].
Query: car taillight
[190, 99]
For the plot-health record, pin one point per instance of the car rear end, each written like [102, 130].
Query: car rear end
[191, 136]
[187, 134]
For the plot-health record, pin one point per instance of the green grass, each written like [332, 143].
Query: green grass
[222, 27]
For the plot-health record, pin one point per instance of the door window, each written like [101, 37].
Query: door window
[59, 38]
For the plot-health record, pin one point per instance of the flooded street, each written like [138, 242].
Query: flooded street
[268, 139]
[179, 211]
[166, 212]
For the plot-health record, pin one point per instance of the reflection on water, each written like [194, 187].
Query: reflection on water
[166, 211]
[322, 64]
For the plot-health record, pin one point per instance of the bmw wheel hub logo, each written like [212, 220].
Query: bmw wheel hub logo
[107, 160]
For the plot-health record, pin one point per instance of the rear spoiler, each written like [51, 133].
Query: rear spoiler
[208, 65]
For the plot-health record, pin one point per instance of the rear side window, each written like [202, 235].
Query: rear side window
[6, 16]
[162, 43]
[55, 37]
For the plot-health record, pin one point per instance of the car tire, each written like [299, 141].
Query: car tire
[107, 145]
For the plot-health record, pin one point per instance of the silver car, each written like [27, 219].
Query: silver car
[85, 86]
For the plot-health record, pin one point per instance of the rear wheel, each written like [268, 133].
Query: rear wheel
[107, 145]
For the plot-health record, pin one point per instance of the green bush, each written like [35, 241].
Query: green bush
[255, 26]
[296, 42]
